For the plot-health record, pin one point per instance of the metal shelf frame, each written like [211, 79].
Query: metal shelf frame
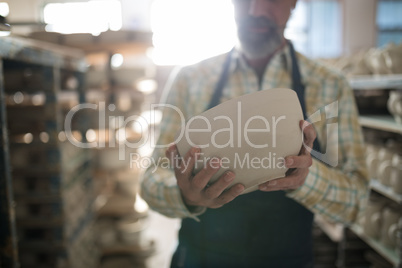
[386, 191]
[51, 60]
[376, 82]
[381, 122]
[8, 237]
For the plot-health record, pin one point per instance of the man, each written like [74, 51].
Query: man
[270, 227]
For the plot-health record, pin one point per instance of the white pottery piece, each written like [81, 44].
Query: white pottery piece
[393, 57]
[251, 134]
[376, 61]
[372, 223]
[394, 105]
[390, 218]
[396, 173]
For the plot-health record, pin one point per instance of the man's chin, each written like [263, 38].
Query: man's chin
[258, 50]
[256, 45]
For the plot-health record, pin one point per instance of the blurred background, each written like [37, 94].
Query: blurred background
[78, 80]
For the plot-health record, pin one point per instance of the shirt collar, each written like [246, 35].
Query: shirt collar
[281, 57]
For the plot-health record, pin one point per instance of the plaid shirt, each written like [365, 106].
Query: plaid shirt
[337, 193]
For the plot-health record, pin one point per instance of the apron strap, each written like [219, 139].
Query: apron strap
[216, 97]
[297, 84]
[300, 89]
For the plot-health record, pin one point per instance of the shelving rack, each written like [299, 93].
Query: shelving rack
[52, 199]
[388, 254]
[8, 239]
[383, 123]
[385, 191]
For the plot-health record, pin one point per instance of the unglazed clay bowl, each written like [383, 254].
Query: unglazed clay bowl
[251, 134]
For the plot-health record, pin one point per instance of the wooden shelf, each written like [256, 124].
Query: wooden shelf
[137, 250]
[384, 123]
[42, 53]
[389, 254]
[381, 122]
[375, 82]
[386, 191]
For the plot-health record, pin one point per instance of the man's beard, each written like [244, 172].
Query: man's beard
[258, 45]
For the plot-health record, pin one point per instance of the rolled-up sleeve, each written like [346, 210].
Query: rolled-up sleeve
[338, 192]
[158, 185]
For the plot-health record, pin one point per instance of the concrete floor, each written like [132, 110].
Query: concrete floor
[158, 241]
[163, 231]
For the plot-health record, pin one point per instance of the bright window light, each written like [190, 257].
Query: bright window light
[4, 9]
[117, 60]
[187, 31]
[83, 17]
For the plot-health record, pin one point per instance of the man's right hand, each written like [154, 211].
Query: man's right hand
[195, 189]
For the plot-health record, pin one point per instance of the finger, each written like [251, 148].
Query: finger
[220, 185]
[173, 155]
[308, 131]
[228, 195]
[188, 162]
[201, 179]
[300, 161]
[309, 135]
[293, 181]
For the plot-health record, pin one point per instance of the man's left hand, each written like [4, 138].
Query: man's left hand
[300, 164]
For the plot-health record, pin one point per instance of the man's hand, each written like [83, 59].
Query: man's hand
[300, 164]
[195, 189]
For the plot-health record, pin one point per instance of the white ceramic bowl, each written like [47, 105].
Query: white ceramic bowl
[251, 134]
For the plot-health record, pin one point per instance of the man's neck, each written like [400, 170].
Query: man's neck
[259, 65]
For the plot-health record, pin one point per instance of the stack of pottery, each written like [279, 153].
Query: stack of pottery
[372, 159]
[394, 104]
[384, 162]
[385, 60]
[381, 221]
[385, 156]
[393, 56]
[391, 216]
[375, 61]
[396, 174]
[372, 217]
